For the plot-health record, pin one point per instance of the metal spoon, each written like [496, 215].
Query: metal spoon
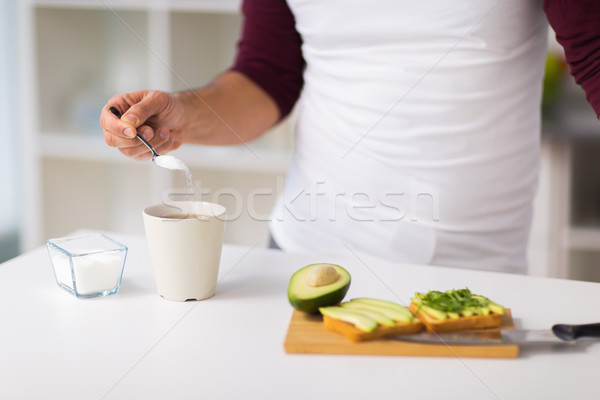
[168, 162]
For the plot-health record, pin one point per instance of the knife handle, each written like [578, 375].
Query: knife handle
[572, 332]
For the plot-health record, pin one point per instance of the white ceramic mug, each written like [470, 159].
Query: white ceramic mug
[185, 239]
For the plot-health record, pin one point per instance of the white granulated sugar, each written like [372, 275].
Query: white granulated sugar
[92, 273]
[97, 272]
[170, 162]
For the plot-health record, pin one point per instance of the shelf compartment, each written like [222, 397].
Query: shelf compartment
[587, 239]
[202, 45]
[78, 73]
[584, 265]
[585, 204]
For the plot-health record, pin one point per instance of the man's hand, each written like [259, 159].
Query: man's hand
[156, 116]
[230, 110]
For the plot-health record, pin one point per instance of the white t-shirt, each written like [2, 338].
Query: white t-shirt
[417, 138]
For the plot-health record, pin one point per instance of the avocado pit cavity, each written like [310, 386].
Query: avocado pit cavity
[322, 275]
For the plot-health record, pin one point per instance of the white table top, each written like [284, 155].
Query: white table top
[136, 345]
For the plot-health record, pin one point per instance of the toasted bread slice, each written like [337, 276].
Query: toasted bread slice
[492, 320]
[356, 335]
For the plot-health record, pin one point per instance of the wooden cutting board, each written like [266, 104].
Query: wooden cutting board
[307, 335]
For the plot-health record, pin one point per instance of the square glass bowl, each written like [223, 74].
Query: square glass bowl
[88, 266]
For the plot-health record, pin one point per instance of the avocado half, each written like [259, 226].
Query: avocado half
[304, 297]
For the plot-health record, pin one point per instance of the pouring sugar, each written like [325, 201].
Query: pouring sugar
[175, 164]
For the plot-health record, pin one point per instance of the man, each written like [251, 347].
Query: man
[417, 136]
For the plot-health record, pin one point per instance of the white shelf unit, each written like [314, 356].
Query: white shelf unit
[565, 236]
[75, 55]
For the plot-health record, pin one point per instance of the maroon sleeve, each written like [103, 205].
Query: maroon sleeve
[269, 51]
[577, 27]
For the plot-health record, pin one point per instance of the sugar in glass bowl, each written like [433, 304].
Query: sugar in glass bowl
[88, 266]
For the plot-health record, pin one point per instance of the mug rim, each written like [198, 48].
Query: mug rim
[170, 208]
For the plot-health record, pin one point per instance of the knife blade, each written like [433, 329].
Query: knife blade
[559, 334]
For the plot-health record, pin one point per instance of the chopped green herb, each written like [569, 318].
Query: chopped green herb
[460, 301]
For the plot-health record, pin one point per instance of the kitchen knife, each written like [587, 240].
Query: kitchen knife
[559, 334]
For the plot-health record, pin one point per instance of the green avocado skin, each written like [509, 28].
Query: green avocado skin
[307, 299]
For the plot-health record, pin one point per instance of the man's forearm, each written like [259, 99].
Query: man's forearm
[231, 110]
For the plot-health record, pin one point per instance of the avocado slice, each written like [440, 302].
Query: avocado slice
[498, 309]
[403, 315]
[384, 303]
[354, 317]
[377, 316]
[318, 285]
[432, 312]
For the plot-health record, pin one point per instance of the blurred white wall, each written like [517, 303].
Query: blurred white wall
[9, 133]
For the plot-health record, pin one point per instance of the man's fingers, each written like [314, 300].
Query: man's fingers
[110, 122]
[140, 157]
[151, 104]
[167, 146]
[146, 132]
[118, 141]
[140, 110]
[140, 152]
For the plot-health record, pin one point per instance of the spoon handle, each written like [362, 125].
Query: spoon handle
[154, 153]
[118, 114]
